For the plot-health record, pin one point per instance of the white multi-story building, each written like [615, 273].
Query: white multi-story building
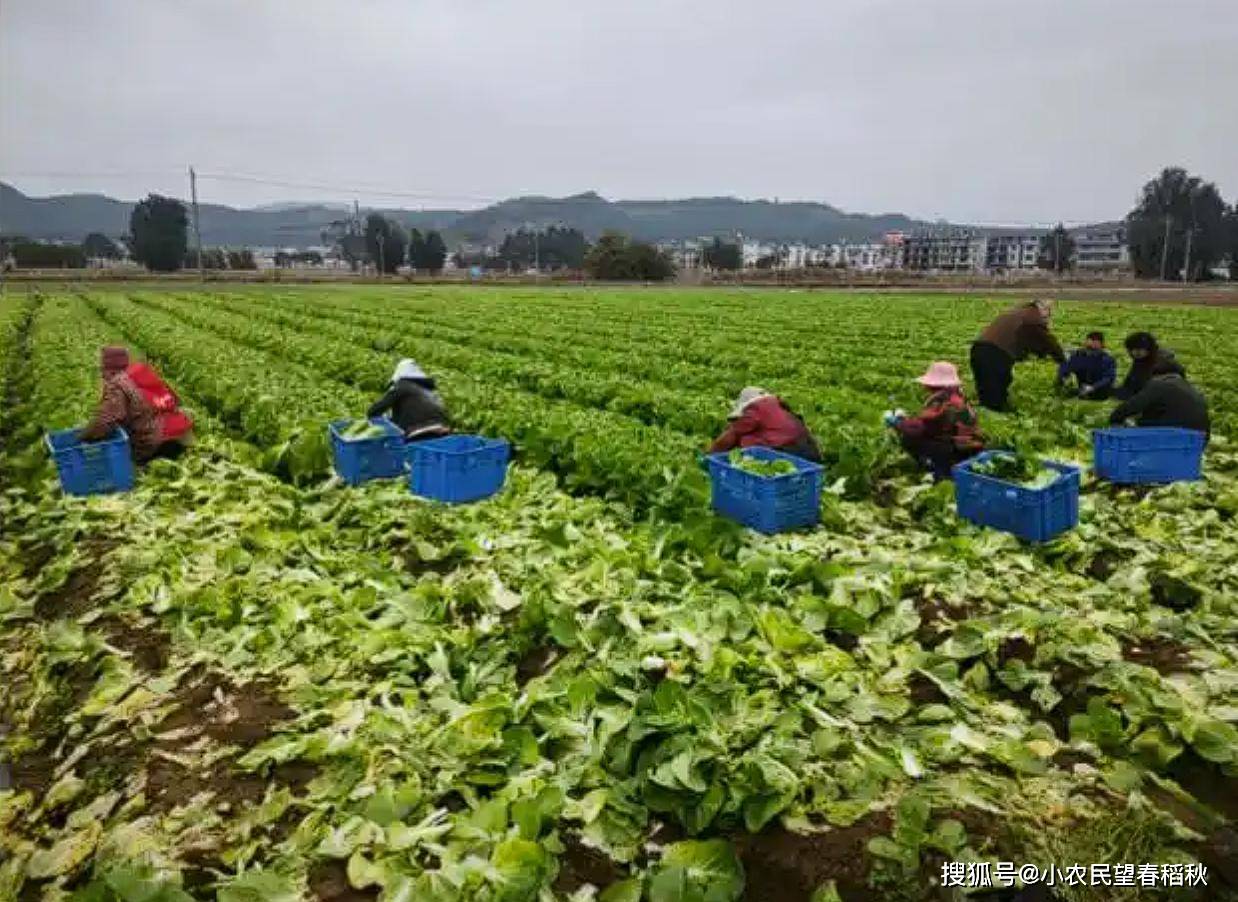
[1101, 247]
[870, 256]
[956, 250]
[1006, 253]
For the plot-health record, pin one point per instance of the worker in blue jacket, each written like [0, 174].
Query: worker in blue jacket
[1093, 369]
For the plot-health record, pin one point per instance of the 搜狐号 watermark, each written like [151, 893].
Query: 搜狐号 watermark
[973, 874]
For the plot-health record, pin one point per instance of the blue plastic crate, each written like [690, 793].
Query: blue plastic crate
[361, 460]
[92, 468]
[457, 468]
[1036, 515]
[1147, 454]
[767, 504]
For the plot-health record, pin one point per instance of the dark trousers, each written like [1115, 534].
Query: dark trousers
[936, 455]
[165, 450]
[993, 370]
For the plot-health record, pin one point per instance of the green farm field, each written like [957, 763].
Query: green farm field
[244, 680]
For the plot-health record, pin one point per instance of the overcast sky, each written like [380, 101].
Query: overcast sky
[971, 110]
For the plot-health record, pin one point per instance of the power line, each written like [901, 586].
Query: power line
[249, 178]
[373, 191]
[150, 173]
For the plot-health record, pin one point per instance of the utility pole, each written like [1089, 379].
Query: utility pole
[197, 231]
[1186, 270]
[537, 252]
[1165, 249]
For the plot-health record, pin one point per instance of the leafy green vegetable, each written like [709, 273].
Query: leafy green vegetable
[759, 467]
[359, 430]
[1017, 468]
[697, 871]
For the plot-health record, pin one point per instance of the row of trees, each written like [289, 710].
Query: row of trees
[46, 255]
[1182, 226]
[389, 246]
[615, 257]
[555, 248]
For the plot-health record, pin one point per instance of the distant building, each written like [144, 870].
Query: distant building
[757, 250]
[871, 256]
[685, 254]
[1102, 247]
[1012, 253]
[953, 250]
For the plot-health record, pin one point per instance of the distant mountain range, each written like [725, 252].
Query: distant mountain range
[73, 216]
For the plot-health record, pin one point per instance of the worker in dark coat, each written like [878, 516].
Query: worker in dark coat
[1007, 340]
[1093, 369]
[759, 419]
[1167, 399]
[1145, 354]
[414, 403]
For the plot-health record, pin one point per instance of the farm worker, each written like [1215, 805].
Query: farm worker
[1145, 351]
[946, 432]
[414, 404]
[1167, 399]
[175, 426]
[123, 404]
[1007, 340]
[759, 419]
[1093, 368]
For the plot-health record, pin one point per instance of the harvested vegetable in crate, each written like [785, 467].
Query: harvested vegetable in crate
[1019, 469]
[758, 467]
[359, 430]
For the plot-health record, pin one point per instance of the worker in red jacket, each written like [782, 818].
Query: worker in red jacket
[135, 398]
[763, 420]
[946, 431]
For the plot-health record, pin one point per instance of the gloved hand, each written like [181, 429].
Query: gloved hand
[891, 417]
[1085, 391]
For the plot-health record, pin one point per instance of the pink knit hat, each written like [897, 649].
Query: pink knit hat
[940, 374]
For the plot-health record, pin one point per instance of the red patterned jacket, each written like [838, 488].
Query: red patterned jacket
[946, 415]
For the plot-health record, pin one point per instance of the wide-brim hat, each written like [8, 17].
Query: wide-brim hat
[941, 374]
[749, 395]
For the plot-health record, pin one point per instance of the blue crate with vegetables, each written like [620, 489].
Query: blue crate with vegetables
[1031, 498]
[367, 449]
[766, 490]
